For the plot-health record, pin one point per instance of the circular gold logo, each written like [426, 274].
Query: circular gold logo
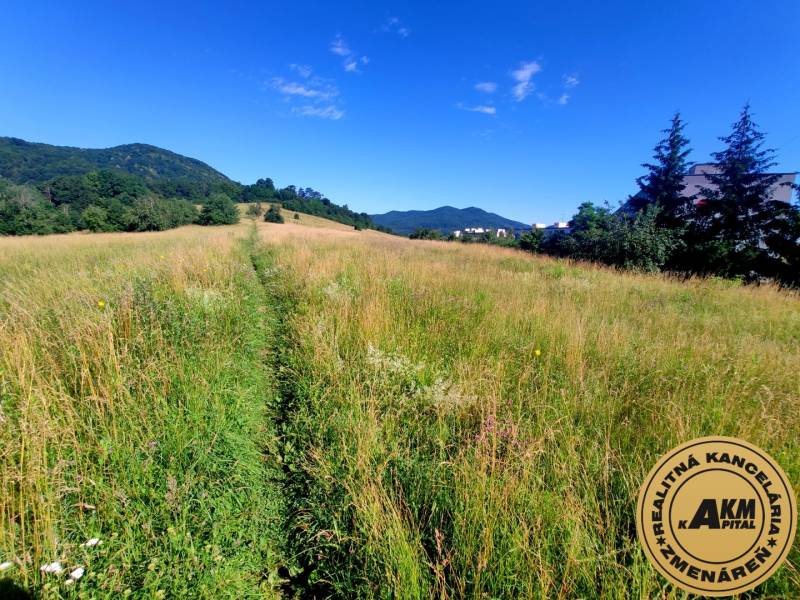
[716, 516]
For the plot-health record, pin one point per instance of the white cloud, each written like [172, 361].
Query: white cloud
[481, 108]
[487, 87]
[523, 76]
[339, 46]
[393, 25]
[303, 70]
[317, 97]
[571, 81]
[351, 59]
[323, 112]
[313, 88]
[563, 99]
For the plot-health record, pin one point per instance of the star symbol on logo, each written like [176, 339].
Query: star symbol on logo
[661, 541]
[771, 542]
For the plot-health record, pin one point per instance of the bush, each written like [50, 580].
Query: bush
[273, 215]
[255, 210]
[531, 241]
[426, 233]
[617, 239]
[219, 209]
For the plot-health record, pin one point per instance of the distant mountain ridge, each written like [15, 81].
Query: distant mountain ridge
[445, 218]
[25, 162]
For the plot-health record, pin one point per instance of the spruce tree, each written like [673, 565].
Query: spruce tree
[739, 214]
[663, 184]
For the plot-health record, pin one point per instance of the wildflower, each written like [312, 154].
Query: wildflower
[54, 567]
[101, 304]
[4, 566]
[161, 257]
[91, 542]
[76, 574]
[537, 352]
[160, 594]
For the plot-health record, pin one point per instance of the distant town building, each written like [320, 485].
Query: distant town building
[698, 179]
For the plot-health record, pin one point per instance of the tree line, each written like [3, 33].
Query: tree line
[112, 200]
[733, 228]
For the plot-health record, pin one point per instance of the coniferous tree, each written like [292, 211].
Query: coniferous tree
[663, 184]
[739, 219]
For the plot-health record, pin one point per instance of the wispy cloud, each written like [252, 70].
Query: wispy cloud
[322, 112]
[303, 70]
[523, 76]
[487, 87]
[394, 25]
[571, 81]
[319, 96]
[351, 58]
[340, 47]
[563, 99]
[313, 88]
[481, 108]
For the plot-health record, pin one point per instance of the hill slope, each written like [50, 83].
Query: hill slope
[29, 162]
[445, 218]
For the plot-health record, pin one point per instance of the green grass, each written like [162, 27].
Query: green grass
[146, 423]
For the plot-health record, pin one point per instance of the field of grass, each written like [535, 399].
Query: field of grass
[279, 410]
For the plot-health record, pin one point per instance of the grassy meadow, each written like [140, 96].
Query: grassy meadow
[302, 410]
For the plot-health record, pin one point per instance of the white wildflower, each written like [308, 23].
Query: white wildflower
[54, 567]
[91, 542]
[77, 573]
[4, 566]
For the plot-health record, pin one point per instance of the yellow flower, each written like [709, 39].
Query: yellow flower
[101, 304]
[537, 352]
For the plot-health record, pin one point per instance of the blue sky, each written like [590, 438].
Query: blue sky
[525, 109]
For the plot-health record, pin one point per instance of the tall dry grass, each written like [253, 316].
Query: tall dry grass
[475, 422]
[350, 414]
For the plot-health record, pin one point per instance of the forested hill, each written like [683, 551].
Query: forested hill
[445, 218]
[32, 163]
[135, 187]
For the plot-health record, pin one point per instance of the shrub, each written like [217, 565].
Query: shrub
[219, 209]
[273, 215]
[255, 210]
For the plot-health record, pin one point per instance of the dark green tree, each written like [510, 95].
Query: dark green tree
[663, 184]
[426, 233]
[273, 215]
[531, 241]
[739, 222]
[219, 209]
[96, 218]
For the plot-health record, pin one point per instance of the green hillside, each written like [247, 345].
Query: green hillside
[29, 162]
[445, 218]
[46, 189]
